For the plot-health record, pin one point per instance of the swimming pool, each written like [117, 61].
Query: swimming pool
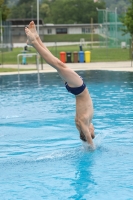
[41, 154]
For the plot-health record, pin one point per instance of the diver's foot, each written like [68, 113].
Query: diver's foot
[32, 28]
[28, 43]
[30, 36]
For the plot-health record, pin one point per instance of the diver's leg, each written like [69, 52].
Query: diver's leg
[32, 28]
[67, 74]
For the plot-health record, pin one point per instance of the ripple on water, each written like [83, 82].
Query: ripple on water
[41, 154]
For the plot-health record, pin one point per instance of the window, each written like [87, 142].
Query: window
[83, 30]
[49, 31]
[86, 30]
[61, 30]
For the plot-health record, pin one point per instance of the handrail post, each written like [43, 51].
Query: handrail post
[18, 62]
[28, 54]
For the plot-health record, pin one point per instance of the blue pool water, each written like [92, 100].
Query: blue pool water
[41, 155]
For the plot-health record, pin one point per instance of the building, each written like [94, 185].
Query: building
[70, 28]
[18, 25]
[111, 34]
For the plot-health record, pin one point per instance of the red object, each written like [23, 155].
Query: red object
[63, 56]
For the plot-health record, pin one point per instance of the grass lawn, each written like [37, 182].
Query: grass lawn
[13, 69]
[10, 57]
[105, 55]
[97, 54]
[70, 37]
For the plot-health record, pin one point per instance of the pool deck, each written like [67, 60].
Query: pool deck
[110, 66]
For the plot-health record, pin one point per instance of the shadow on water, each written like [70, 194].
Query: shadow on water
[83, 182]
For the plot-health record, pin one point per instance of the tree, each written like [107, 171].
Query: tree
[10, 3]
[59, 11]
[120, 4]
[27, 9]
[74, 11]
[128, 20]
[4, 11]
[45, 13]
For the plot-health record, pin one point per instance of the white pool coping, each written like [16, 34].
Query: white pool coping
[126, 66]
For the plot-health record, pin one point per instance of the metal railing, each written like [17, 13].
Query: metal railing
[27, 55]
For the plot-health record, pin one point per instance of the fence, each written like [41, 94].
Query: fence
[5, 39]
[110, 31]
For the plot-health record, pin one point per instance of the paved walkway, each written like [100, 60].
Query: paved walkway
[111, 66]
[53, 44]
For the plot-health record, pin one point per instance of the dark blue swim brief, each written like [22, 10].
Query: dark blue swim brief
[75, 90]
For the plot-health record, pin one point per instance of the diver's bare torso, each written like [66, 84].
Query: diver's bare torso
[84, 109]
[84, 106]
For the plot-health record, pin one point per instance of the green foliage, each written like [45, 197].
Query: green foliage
[128, 19]
[27, 9]
[11, 3]
[59, 11]
[120, 4]
[44, 10]
[64, 11]
[73, 11]
[4, 10]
